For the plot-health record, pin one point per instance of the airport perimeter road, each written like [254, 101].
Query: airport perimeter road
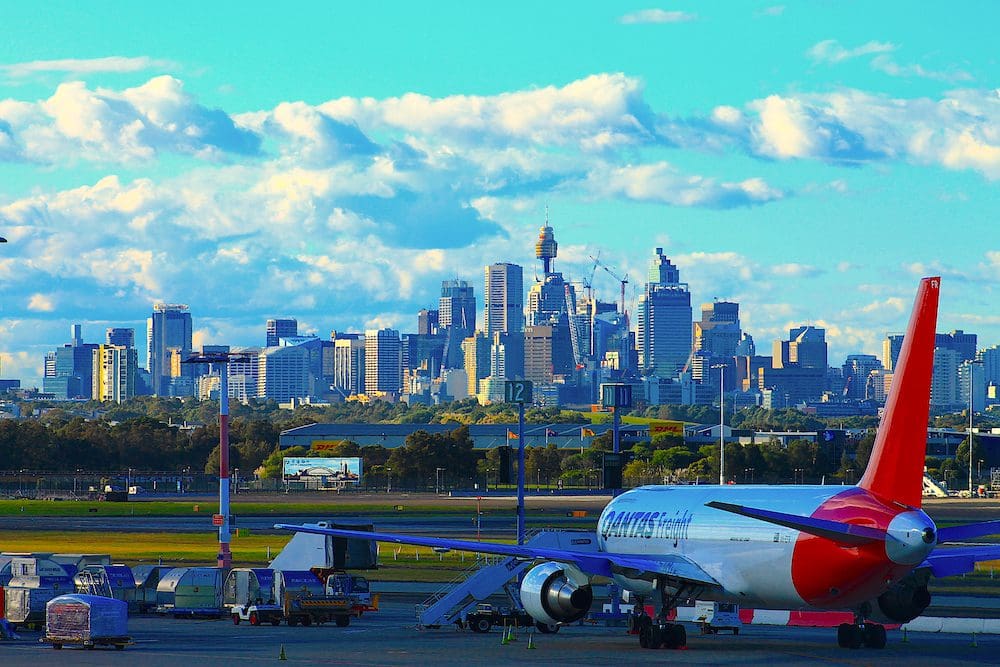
[389, 637]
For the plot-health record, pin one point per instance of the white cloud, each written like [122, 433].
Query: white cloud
[657, 16]
[660, 182]
[831, 51]
[774, 10]
[795, 270]
[114, 64]
[888, 66]
[41, 303]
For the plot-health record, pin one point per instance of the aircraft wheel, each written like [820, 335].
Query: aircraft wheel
[674, 636]
[656, 637]
[850, 636]
[874, 635]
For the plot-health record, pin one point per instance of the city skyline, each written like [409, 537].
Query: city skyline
[806, 162]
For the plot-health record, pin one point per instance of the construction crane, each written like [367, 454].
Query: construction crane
[588, 282]
[623, 280]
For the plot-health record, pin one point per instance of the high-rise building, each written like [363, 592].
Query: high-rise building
[279, 328]
[383, 362]
[427, 322]
[958, 340]
[349, 363]
[665, 328]
[798, 368]
[538, 354]
[974, 372]
[243, 374]
[857, 368]
[114, 373]
[121, 336]
[504, 298]
[805, 348]
[476, 352]
[457, 316]
[169, 328]
[69, 369]
[551, 302]
[944, 379]
[718, 333]
[891, 347]
[283, 373]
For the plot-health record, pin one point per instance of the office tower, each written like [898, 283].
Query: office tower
[317, 383]
[69, 370]
[798, 369]
[891, 346]
[664, 331]
[169, 328]
[551, 301]
[958, 340]
[476, 352]
[113, 371]
[718, 333]
[457, 317]
[944, 380]
[538, 354]
[278, 328]
[425, 352]
[612, 341]
[349, 363]
[243, 374]
[120, 336]
[427, 322]
[283, 373]
[857, 368]
[805, 348]
[746, 347]
[383, 361]
[507, 355]
[504, 298]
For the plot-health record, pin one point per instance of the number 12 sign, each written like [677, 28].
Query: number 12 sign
[517, 391]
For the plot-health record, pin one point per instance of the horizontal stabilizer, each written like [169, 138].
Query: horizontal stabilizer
[848, 534]
[949, 562]
[968, 531]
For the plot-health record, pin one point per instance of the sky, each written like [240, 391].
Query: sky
[335, 162]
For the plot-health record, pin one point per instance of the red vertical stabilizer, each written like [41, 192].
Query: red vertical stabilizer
[896, 467]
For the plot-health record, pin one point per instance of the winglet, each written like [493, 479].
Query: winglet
[896, 466]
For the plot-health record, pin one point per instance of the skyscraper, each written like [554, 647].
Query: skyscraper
[283, 373]
[114, 373]
[69, 369]
[383, 361]
[349, 363]
[457, 316]
[476, 351]
[664, 328]
[891, 347]
[120, 336]
[169, 328]
[504, 298]
[551, 301]
[287, 327]
[857, 369]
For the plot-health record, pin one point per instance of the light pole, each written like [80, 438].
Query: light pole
[972, 406]
[799, 472]
[722, 423]
[438, 479]
[388, 479]
[748, 471]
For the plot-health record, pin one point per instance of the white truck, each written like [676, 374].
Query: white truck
[714, 616]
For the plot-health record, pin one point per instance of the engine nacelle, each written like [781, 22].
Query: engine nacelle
[905, 600]
[556, 593]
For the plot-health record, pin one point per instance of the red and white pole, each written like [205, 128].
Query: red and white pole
[225, 555]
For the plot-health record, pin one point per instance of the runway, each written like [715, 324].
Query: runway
[390, 637]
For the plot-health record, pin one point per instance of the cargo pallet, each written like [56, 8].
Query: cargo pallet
[58, 642]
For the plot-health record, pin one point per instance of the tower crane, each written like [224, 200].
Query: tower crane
[621, 279]
[588, 282]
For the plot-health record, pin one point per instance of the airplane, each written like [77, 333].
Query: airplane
[867, 549]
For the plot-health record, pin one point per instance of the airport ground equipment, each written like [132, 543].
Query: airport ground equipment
[303, 599]
[147, 579]
[485, 616]
[86, 620]
[712, 617]
[113, 581]
[33, 582]
[354, 586]
[196, 592]
[248, 586]
[257, 614]
[932, 488]
[453, 603]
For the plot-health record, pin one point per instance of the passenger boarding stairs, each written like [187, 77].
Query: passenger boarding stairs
[94, 582]
[492, 574]
[932, 488]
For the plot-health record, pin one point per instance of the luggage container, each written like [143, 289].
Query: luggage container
[36, 564]
[196, 591]
[33, 583]
[247, 586]
[147, 578]
[86, 620]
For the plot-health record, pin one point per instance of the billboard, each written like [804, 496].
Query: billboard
[320, 471]
[661, 427]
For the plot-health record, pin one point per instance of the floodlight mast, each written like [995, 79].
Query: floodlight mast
[225, 555]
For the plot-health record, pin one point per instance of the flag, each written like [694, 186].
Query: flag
[511, 435]
[586, 433]
[549, 432]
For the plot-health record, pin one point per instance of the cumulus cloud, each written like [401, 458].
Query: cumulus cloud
[115, 64]
[41, 303]
[795, 270]
[657, 16]
[661, 183]
[888, 66]
[831, 51]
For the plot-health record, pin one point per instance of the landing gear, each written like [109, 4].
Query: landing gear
[660, 632]
[861, 633]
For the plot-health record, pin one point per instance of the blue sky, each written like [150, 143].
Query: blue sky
[335, 163]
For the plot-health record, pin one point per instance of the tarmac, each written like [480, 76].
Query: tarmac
[390, 637]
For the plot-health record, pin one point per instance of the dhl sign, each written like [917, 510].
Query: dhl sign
[666, 428]
[325, 445]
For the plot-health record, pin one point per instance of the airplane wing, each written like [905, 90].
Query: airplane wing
[594, 562]
[969, 530]
[951, 561]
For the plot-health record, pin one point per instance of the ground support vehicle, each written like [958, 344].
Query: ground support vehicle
[86, 620]
[356, 588]
[318, 609]
[257, 614]
[485, 616]
[714, 616]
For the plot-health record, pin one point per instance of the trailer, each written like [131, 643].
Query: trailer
[196, 592]
[86, 620]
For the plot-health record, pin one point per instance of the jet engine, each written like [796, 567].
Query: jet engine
[905, 600]
[556, 593]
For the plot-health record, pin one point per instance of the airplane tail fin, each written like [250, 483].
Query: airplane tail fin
[895, 469]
